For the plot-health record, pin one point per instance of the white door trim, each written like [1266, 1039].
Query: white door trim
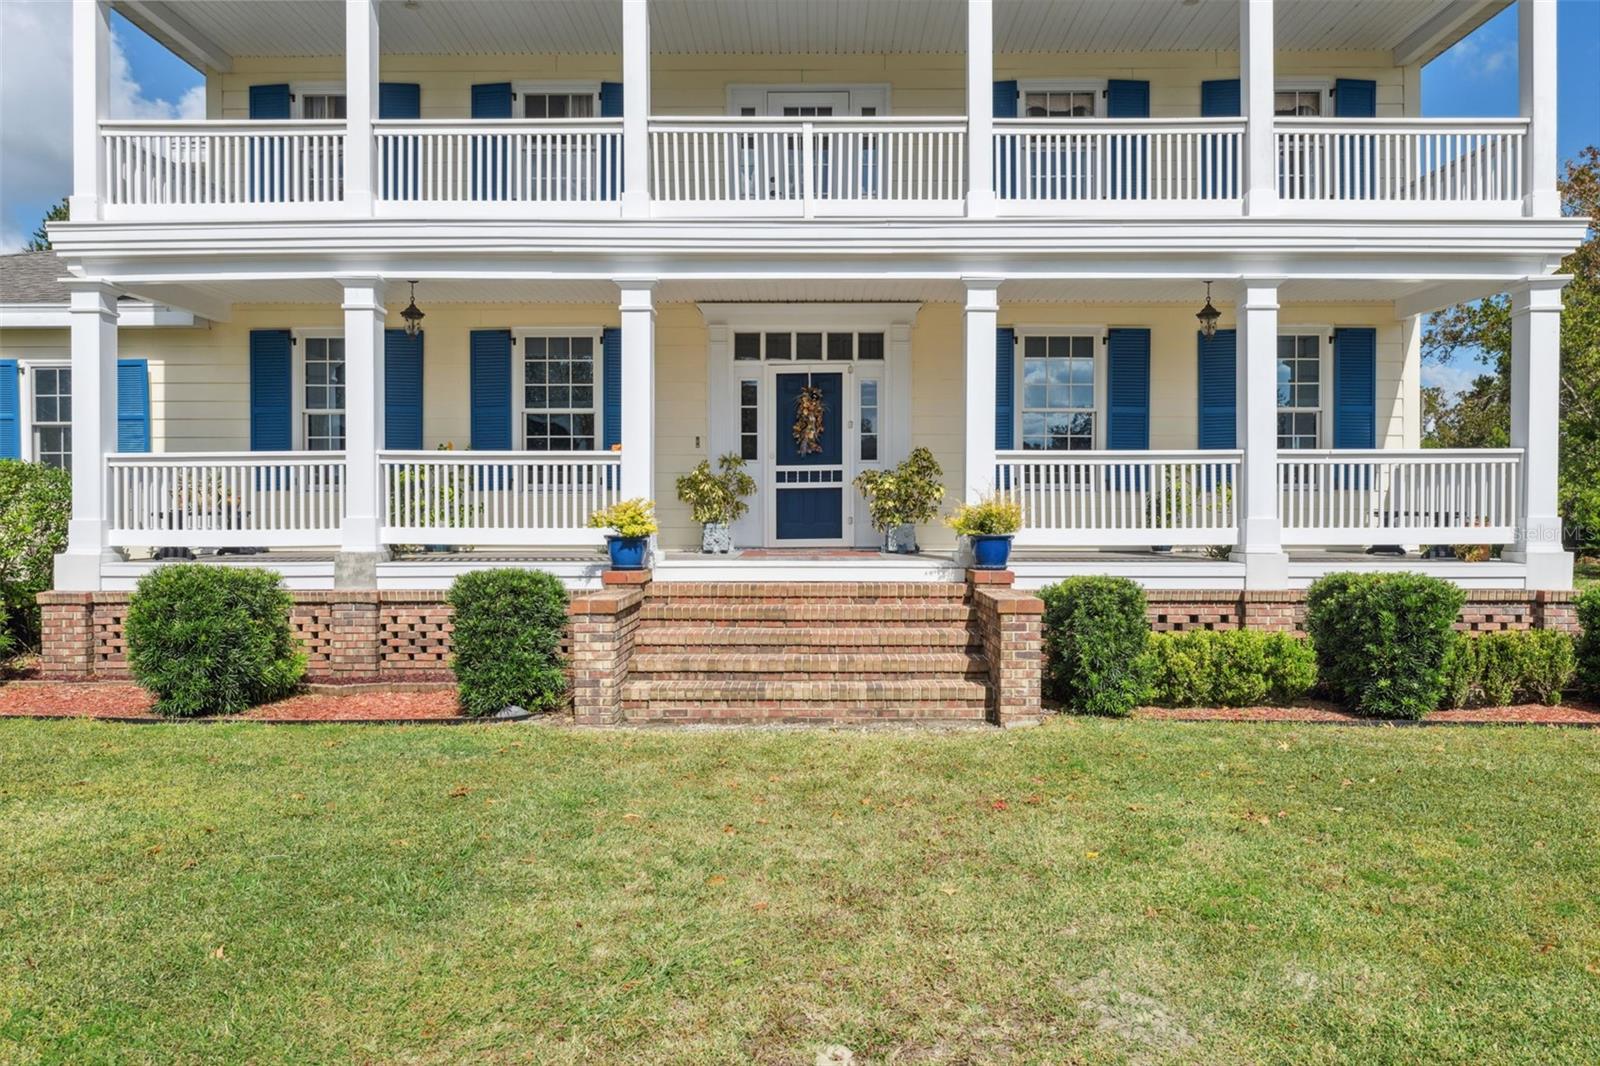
[756, 98]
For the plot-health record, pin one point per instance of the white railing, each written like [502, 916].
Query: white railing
[498, 498]
[199, 164]
[258, 499]
[524, 161]
[1147, 498]
[1429, 496]
[1101, 160]
[1406, 161]
[821, 166]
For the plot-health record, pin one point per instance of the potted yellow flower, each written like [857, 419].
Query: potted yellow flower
[632, 524]
[989, 525]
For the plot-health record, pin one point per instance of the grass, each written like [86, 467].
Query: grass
[1586, 572]
[1085, 891]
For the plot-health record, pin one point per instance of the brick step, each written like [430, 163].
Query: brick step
[806, 701]
[686, 636]
[793, 666]
[840, 591]
[902, 612]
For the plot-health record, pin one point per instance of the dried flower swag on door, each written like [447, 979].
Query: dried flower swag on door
[808, 421]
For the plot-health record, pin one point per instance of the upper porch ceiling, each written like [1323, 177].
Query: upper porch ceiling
[210, 33]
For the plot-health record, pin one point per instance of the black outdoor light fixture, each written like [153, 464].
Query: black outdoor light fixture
[413, 314]
[1208, 315]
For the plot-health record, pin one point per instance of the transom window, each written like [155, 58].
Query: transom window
[557, 105]
[323, 426]
[52, 416]
[832, 347]
[558, 393]
[1300, 391]
[1058, 393]
[322, 105]
[1297, 103]
[1059, 103]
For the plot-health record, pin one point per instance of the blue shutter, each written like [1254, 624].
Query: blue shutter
[1127, 99]
[1128, 389]
[1355, 98]
[1005, 389]
[1219, 176]
[269, 102]
[402, 389]
[1355, 388]
[10, 411]
[397, 157]
[399, 99]
[1220, 99]
[1130, 177]
[611, 148]
[1005, 99]
[271, 391]
[133, 405]
[611, 99]
[611, 386]
[491, 155]
[492, 100]
[1218, 385]
[1357, 156]
[1005, 162]
[490, 386]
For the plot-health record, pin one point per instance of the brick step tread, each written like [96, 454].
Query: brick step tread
[821, 666]
[899, 692]
[807, 590]
[805, 714]
[687, 635]
[900, 613]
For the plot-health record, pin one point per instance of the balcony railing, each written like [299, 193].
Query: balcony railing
[1069, 164]
[1455, 162]
[183, 165]
[556, 162]
[255, 499]
[499, 498]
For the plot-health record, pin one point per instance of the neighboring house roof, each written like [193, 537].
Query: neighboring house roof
[32, 278]
[33, 296]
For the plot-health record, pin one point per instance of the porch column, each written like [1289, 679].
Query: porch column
[94, 433]
[980, 108]
[1260, 545]
[635, 109]
[638, 387]
[91, 96]
[1536, 76]
[361, 103]
[981, 319]
[360, 549]
[1259, 180]
[1535, 428]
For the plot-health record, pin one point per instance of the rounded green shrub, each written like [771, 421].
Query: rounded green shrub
[35, 503]
[507, 632]
[1096, 638]
[212, 639]
[1230, 668]
[1496, 669]
[1383, 640]
[1588, 643]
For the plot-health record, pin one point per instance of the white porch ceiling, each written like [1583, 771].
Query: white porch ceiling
[198, 28]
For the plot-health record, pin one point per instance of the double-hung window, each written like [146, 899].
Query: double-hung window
[52, 416]
[536, 104]
[559, 392]
[322, 105]
[322, 402]
[1300, 391]
[1058, 393]
[1059, 103]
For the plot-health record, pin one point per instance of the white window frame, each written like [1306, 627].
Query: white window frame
[1098, 335]
[519, 407]
[300, 90]
[1324, 335]
[755, 97]
[521, 89]
[25, 397]
[297, 363]
[1322, 86]
[1098, 87]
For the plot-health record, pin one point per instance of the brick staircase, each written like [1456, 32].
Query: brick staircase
[807, 652]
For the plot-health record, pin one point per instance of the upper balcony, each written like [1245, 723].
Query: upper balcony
[723, 110]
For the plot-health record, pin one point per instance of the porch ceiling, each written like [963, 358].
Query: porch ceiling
[211, 32]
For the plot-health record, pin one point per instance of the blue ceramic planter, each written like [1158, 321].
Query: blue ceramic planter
[991, 551]
[627, 553]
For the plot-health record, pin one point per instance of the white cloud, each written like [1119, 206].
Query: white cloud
[1453, 379]
[129, 101]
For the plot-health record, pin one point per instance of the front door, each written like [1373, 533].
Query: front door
[808, 473]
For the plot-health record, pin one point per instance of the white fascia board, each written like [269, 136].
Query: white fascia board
[58, 316]
[1445, 28]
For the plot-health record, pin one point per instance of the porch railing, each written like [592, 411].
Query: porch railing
[499, 498]
[1402, 161]
[1085, 161]
[205, 163]
[821, 166]
[523, 161]
[288, 499]
[1113, 499]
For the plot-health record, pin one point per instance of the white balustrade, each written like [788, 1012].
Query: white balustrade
[498, 498]
[254, 499]
[543, 161]
[1114, 499]
[1430, 496]
[1089, 161]
[233, 164]
[1404, 161]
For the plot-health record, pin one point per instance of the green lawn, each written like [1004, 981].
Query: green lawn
[1085, 891]
[1586, 572]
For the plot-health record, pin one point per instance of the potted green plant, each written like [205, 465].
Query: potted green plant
[632, 524]
[717, 500]
[899, 499]
[989, 525]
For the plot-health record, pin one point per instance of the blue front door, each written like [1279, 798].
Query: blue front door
[808, 486]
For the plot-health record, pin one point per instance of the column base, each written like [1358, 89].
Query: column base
[1263, 570]
[1546, 570]
[357, 570]
[79, 571]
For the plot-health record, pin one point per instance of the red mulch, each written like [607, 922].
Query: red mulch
[121, 699]
[1317, 711]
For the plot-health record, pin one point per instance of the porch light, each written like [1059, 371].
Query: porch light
[1208, 315]
[413, 315]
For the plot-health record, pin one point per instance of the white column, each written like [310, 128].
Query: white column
[982, 317]
[91, 96]
[1260, 177]
[980, 108]
[1536, 427]
[635, 109]
[360, 548]
[94, 433]
[1536, 75]
[361, 103]
[638, 387]
[1260, 545]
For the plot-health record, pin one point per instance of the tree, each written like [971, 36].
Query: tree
[1481, 416]
[40, 241]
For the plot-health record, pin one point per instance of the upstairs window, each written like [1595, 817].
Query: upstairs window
[1297, 103]
[1058, 407]
[558, 393]
[316, 105]
[558, 105]
[1059, 103]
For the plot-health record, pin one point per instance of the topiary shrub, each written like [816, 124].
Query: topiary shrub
[1230, 668]
[1383, 640]
[35, 503]
[1496, 669]
[212, 639]
[1588, 643]
[1096, 638]
[508, 627]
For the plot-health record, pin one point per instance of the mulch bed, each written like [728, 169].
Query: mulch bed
[126, 701]
[1586, 714]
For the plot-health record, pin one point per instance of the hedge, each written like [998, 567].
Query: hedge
[1496, 669]
[35, 504]
[1588, 644]
[1096, 638]
[507, 633]
[1230, 668]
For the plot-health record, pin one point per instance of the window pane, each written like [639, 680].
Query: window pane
[748, 448]
[747, 346]
[808, 346]
[841, 346]
[869, 346]
[747, 393]
[1035, 348]
[777, 346]
[747, 420]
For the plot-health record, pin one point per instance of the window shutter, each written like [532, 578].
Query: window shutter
[402, 389]
[492, 100]
[1218, 384]
[490, 385]
[1005, 389]
[397, 162]
[399, 99]
[1355, 98]
[1128, 389]
[611, 99]
[611, 107]
[1219, 177]
[133, 405]
[1220, 99]
[1005, 99]
[1127, 99]
[1129, 175]
[611, 386]
[269, 102]
[271, 391]
[10, 410]
[1355, 388]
